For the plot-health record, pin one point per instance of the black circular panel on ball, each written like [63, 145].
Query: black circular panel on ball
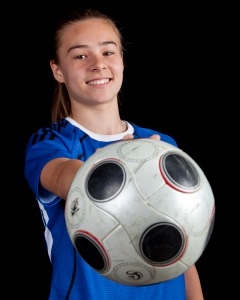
[180, 171]
[105, 181]
[91, 252]
[162, 243]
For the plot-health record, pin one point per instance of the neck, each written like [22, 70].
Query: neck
[101, 123]
[101, 118]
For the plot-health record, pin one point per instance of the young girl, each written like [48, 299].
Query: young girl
[88, 68]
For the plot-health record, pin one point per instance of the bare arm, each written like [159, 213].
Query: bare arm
[58, 174]
[193, 284]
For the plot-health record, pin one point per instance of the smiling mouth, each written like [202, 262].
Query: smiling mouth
[99, 81]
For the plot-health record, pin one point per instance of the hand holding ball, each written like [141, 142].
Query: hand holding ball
[140, 211]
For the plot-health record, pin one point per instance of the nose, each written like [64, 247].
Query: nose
[97, 63]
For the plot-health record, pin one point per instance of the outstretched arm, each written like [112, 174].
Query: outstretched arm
[58, 174]
[193, 284]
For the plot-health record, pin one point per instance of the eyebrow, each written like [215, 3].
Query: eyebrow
[83, 46]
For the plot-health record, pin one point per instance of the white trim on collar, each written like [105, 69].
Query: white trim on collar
[103, 137]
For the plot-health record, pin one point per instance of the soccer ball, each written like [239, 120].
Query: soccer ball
[140, 211]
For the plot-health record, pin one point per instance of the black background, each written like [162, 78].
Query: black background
[178, 80]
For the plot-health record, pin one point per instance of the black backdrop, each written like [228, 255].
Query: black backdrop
[175, 82]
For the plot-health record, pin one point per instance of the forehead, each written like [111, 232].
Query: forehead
[90, 31]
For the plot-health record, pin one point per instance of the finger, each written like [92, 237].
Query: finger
[128, 137]
[155, 137]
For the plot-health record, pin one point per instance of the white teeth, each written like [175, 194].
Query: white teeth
[96, 82]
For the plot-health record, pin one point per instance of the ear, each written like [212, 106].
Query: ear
[57, 73]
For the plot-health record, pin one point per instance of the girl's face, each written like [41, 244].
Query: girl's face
[90, 61]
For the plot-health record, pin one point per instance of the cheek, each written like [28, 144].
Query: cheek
[74, 75]
[119, 67]
[118, 75]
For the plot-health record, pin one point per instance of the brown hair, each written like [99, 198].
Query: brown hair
[61, 105]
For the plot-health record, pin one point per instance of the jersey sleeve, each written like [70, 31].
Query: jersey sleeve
[141, 132]
[44, 146]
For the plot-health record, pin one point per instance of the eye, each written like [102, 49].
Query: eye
[80, 56]
[108, 53]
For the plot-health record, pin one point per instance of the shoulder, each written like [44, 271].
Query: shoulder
[58, 134]
[59, 129]
[142, 132]
[60, 139]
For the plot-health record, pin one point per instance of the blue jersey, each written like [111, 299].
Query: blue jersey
[72, 277]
